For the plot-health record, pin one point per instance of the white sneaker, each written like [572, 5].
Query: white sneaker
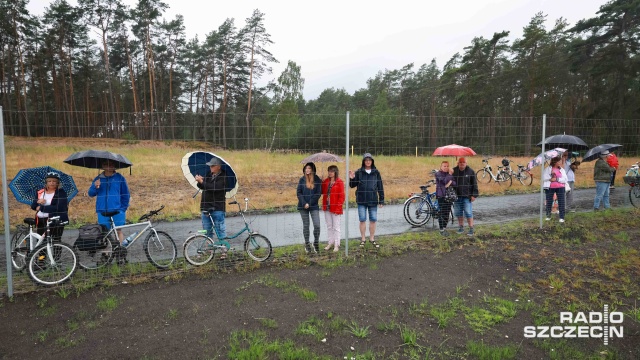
[548, 219]
[561, 221]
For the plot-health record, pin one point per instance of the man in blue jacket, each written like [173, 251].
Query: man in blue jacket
[112, 194]
[369, 195]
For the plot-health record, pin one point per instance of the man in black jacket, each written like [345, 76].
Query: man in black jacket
[213, 198]
[467, 190]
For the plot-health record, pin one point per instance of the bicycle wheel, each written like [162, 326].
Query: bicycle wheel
[199, 249]
[258, 247]
[483, 176]
[19, 250]
[98, 257]
[51, 270]
[417, 210]
[634, 196]
[505, 178]
[160, 249]
[525, 178]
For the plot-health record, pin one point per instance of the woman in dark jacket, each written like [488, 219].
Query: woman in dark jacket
[51, 201]
[309, 191]
[369, 195]
[443, 180]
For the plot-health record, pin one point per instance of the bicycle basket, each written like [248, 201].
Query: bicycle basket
[505, 162]
[631, 180]
[91, 238]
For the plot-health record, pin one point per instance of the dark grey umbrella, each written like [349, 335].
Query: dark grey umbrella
[569, 142]
[594, 153]
[93, 159]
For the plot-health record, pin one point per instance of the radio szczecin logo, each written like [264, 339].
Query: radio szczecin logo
[597, 325]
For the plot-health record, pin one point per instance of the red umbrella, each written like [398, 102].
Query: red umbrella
[454, 150]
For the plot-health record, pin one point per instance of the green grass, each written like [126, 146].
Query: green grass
[109, 303]
[444, 313]
[270, 280]
[409, 336]
[245, 345]
[483, 351]
[268, 323]
[361, 332]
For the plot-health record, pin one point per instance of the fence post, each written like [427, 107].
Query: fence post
[544, 136]
[346, 193]
[5, 206]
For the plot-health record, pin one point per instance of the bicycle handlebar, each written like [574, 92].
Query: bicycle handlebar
[151, 213]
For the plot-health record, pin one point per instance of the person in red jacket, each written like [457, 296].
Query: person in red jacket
[332, 200]
[612, 160]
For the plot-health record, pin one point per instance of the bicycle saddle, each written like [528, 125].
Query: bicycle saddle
[29, 221]
[424, 187]
[109, 213]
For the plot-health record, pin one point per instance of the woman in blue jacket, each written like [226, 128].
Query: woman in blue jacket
[112, 194]
[309, 191]
[369, 195]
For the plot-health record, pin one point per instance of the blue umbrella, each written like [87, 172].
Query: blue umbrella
[27, 182]
[195, 163]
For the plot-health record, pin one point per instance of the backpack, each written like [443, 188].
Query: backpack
[91, 238]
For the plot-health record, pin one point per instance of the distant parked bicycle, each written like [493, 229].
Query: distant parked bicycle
[485, 175]
[523, 174]
[199, 249]
[159, 247]
[632, 178]
[419, 208]
[48, 262]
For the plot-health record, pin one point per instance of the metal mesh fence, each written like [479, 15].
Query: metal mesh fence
[265, 151]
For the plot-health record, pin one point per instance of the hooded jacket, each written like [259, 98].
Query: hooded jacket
[306, 195]
[370, 191]
[113, 193]
[213, 192]
[602, 171]
[59, 205]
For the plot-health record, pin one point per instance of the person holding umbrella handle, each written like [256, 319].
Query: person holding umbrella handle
[112, 193]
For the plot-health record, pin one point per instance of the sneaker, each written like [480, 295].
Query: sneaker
[461, 230]
[328, 247]
[612, 187]
[444, 232]
[307, 248]
[572, 210]
[561, 221]
[548, 219]
[596, 209]
[470, 233]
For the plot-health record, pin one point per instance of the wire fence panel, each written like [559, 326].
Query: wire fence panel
[265, 151]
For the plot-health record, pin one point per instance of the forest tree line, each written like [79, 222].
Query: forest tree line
[142, 78]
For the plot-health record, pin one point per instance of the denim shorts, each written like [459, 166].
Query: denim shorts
[118, 219]
[463, 206]
[373, 213]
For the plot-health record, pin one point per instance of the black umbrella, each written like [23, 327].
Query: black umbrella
[93, 159]
[594, 153]
[569, 142]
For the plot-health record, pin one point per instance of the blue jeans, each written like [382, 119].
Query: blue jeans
[218, 222]
[362, 213]
[463, 205]
[560, 194]
[602, 194]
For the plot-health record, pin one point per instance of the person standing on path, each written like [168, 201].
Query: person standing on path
[444, 179]
[51, 201]
[467, 190]
[571, 180]
[369, 196]
[213, 198]
[612, 160]
[308, 191]
[556, 178]
[332, 200]
[602, 176]
[112, 194]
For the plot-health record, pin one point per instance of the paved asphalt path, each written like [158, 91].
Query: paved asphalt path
[286, 229]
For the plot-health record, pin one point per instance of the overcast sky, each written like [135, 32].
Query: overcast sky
[342, 43]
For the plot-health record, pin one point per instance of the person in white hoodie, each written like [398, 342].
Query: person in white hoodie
[555, 178]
